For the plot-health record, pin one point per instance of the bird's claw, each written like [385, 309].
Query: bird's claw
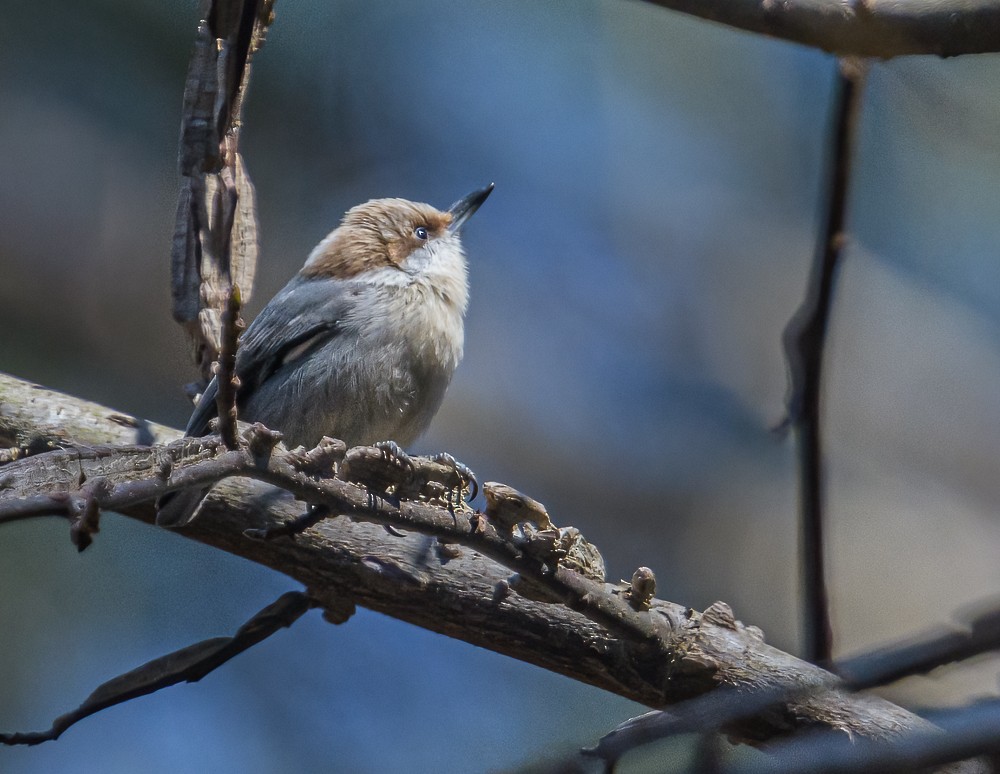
[394, 453]
[464, 472]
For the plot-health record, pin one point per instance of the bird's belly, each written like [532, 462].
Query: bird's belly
[358, 396]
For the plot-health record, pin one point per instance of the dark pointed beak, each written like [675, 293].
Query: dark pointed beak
[466, 207]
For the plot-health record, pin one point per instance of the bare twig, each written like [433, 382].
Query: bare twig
[82, 509]
[869, 28]
[708, 754]
[980, 634]
[704, 714]
[805, 339]
[958, 735]
[225, 371]
[188, 664]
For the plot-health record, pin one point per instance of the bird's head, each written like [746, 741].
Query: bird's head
[396, 242]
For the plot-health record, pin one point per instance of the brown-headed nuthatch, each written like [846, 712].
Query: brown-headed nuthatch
[361, 344]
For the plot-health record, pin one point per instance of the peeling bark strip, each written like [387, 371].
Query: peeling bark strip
[215, 238]
[466, 596]
[867, 28]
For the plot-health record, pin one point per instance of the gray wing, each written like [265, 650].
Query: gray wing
[303, 316]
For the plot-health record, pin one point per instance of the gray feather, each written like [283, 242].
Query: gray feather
[304, 311]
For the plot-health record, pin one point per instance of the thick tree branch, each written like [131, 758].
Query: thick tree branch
[868, 28]
[468, 596]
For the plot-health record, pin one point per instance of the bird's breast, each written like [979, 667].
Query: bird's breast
[429, 321]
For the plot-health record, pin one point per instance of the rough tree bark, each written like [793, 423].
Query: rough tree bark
[344, 563]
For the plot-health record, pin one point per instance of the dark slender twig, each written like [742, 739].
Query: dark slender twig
[961, 734]
[805, 339]
[225, 371]
[704, 714]
[708, 754]
[875, 28]
[980, 634]
[188, 664]
[82, 509]
[33, 507]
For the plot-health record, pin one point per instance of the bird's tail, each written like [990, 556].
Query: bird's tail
[178, 508]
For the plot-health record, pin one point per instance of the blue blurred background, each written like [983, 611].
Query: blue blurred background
[658, 189]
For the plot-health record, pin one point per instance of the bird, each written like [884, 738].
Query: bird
[361, 343]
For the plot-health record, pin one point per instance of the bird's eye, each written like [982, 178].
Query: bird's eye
[420, 232]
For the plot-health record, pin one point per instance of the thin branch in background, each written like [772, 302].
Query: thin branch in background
[188, 664]
[708, 754]
[225, 371]
[980, 633]
[960, 736]
[805, 339]
[867, 28]
[705, 714]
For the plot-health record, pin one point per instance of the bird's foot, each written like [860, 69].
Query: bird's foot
[468, 480]
[394, 453]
